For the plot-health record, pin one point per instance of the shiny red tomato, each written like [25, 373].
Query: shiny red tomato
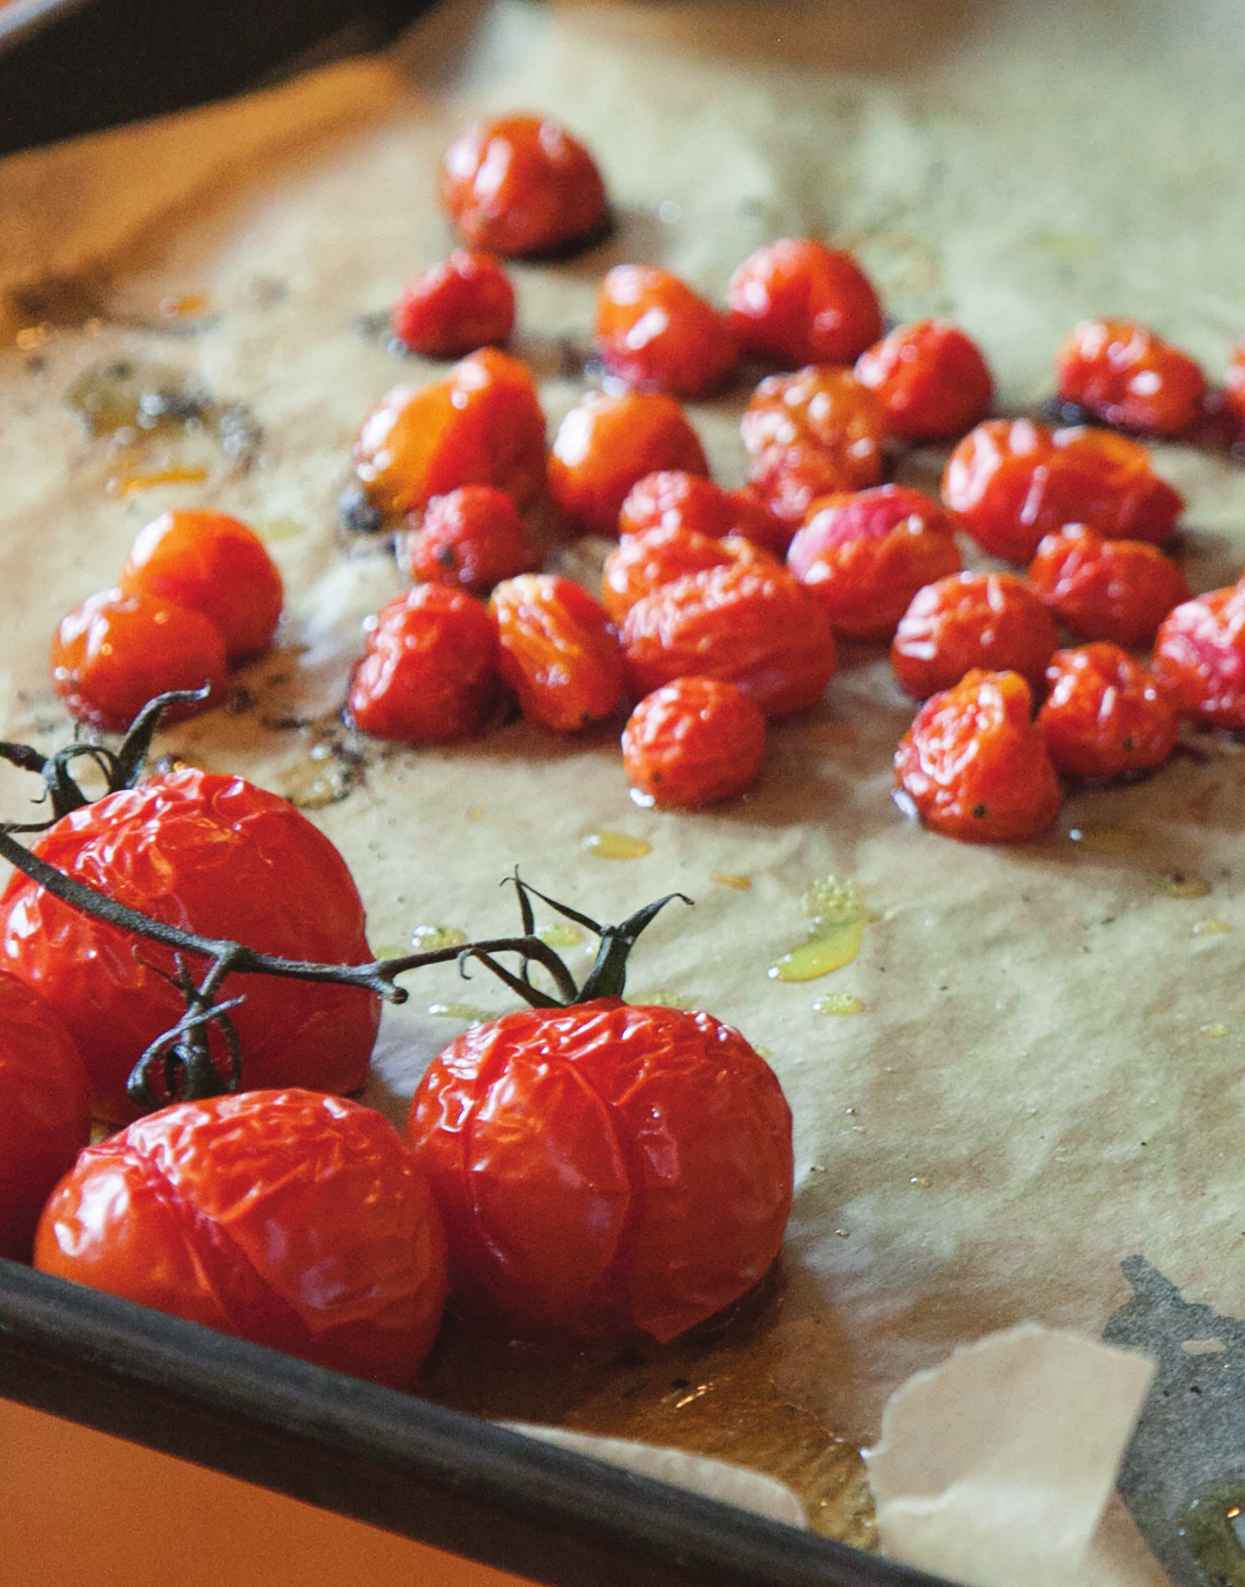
[295, 1220]
[604, 1168]
[227, 859]
[45, 1115]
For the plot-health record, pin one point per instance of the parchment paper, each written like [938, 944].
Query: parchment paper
[1045, 1079]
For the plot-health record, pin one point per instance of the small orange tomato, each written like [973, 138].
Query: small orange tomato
[481, 425]
[1126, 375]
[656, 334]
[470, 539]
[984, 621]
[975, 764]
[864, 556]
[454, 307]
[114, 652]
[930, 378]
[1105, 716]
[787, 480]
[606, 443]
[215, 565]
[642, 563]
[823, 407]
[1199, 657]
[751, 625]
[521, 184]
[558, 651]
[694, 742]
[796, 301]
[429, 673]
[1119, 590]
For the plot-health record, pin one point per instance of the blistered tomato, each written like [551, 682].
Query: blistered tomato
[751, 625]
[787, 480]
[429, 673]
[987, 621]
[1199, 657]
[559, 652]
[975, 764]
[606, 443]
[1126, 375]
[694, 742]
[115, 652]
[454, 307]
[656, 334]
[1105, 716]
[291, 1219]
[674, 499]
[522, 184]
[1119, 590]
[865, 556]
[930, 378]
[470, 539]
[822, 407]
[642, 563]
[481, 425]
[796, 301]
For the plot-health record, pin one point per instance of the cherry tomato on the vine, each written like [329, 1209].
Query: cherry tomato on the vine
[694, 742]
[1105, 715]
[454, 307]
[796, 301]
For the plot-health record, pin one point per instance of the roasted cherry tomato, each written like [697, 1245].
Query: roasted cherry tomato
[656, 334]
[822, 407]
[865, 556]
[1119, 590]
[429, 673]
[986, 621]
[975, 764]
[605, 1169]
[211, 853]
[471, 539]
[605, 444]
[454, 307]
[215, 565]
[642, 563]
[559, 652]
[1013, 481]
[1126, 375]
[295, 1220]
[787, 480]
[675, 499]
[1105, 715]
[798, 302]
[1199, 657]
[115, 652]
[930, 378]
[694, 742]
[1234, 386]
[750, 625]
[481, 425]
[45, 1111]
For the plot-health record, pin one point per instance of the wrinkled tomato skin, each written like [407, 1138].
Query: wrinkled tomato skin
[1199, 657]
[481, 425]
[989, 622]
[607, 443]
[655, 334]
[695, 742]
[795, 301]
[454, 307]
[429, 674]
[1105, 716]
[470, 539]
[295, 1220]
[520, 185]
[976, 766]
[822, 407]
[45, 1112]
[788, 480]
[674, 499]
[210, 853]
[1126, 375]
[215, 565]
[558, 651]
[1117, 590]
[642, 563]
[752, 626]
[930, 378]
[604, 1169]
[114, 652]
[864, 556]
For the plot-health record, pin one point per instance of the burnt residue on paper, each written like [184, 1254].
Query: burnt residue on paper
[1183, 1475]
[130, 400]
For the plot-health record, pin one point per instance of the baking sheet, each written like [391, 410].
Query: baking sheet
[1044, 1081]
